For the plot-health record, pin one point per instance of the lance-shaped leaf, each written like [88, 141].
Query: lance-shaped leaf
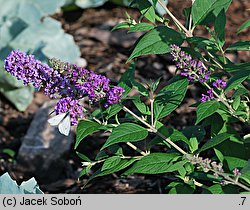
[201, 9]
[156, 41]
[169, 98]
[156, 163]
[206, 109]
[126, 132]
[85, 128]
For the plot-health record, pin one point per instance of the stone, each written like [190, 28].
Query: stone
[43, 147]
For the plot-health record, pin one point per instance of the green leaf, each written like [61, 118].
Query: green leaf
[112, 150]
[219, 155]
[146, 9]
[126, 78]
[218, 189]
[219, 27]
[156, 41]
[201, 9]
[236, 103]
[126, 132]
[142, 107]
[187, 12]
[215, 127]
[202, 42]
[232, 146]
[233, 162]
[85, 171]
[121, 165]
[214, 141]
[112, 110]
[235, 81]
[83, 157]
[244, 26]
[9, 152]
[169, 98]
[241, 164]
[194, 131]
[240, 91]
[9, 186]
[239, 46]
[121, 26]
[205, 176]
[180, 188]
[193, 144]
[173, 134]
[156, 163]
[206, 109]
[141, 27]
[141, 89]
[245, 172]
[111, 162]
[234, 68]
[85, 128]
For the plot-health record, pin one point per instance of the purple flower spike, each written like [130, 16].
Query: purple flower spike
[207, 97]
[27, 68]
[114, 96]
[236, 172]
[192, 69]
[64, 81]
[72, 106]
[219, 84]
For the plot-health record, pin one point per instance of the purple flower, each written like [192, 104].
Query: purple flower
[67, 82]
[114, 95]
[236, 172]
[27, 68]
[207, 97]
[72, 106]
[219, 84]
[192, 69]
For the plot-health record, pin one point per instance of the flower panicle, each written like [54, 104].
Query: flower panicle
[195, 70]
[67, 82]
[192, 69]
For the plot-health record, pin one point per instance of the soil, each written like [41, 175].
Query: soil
[106, 52]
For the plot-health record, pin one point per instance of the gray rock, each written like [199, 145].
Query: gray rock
[43, 146]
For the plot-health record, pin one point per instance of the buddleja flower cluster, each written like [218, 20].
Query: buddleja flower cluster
[219, 84]
[206, 164]
[67, 82]
[194, 71]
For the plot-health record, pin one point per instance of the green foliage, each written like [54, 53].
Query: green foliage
[235, 81]
[215, 141]
[156, 41]
[195, 158]
[85, 128]
[169, 98]
[126, 132]
[9, 186]
[156, 163]
[208, 9]
[240, 46]
[141, 27]
[245, 25]
[219, 27]
[206, 109]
